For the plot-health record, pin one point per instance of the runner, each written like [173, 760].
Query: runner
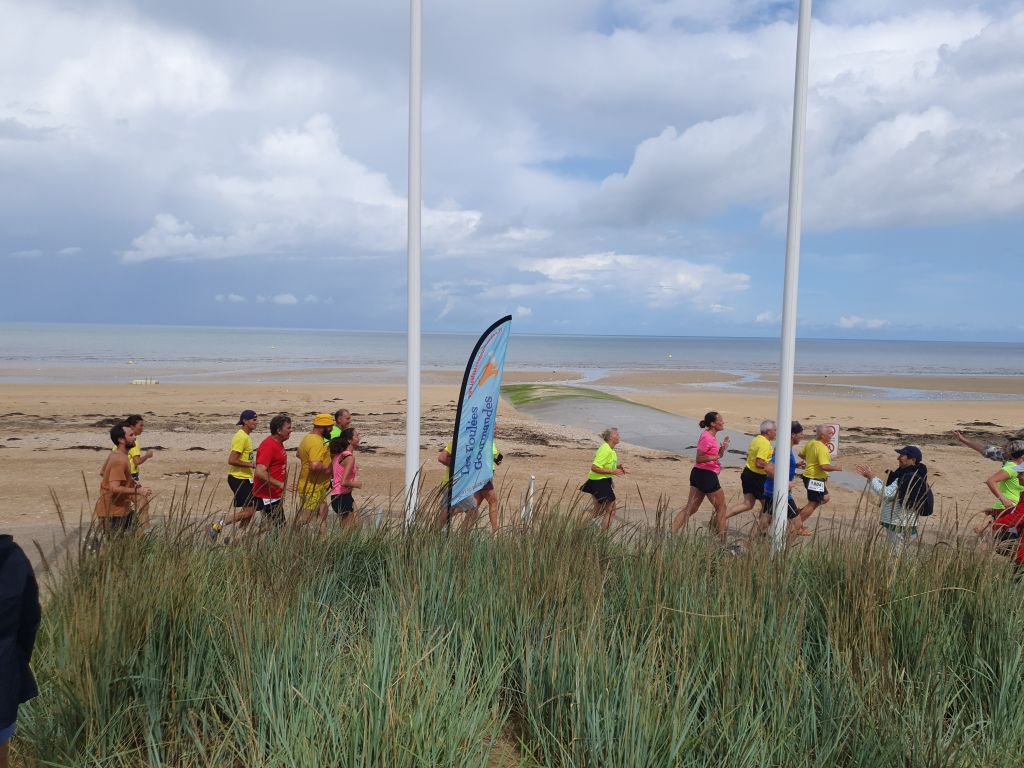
[1008, 528]
[467, 505]
[342, 421]
[488, 494]
[903, 494]
[1005, 485]
[817, 459]
[315, 473]
[120, 495]
[754, 474]
[344, 471]
[19, 623]
[271, 472]
[796, 432]
[137, 458]
[242, 460]
[599, 480]
[704, 477]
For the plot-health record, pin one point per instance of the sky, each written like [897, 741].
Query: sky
[589, 166]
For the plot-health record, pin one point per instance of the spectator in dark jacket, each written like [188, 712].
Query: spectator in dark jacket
[19, 622]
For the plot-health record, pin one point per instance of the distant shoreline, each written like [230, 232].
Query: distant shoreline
[616, 382]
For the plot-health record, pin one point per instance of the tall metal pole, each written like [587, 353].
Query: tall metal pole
[784, 418]
[412, 401]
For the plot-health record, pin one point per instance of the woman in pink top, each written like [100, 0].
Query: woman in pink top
[344, 469]
[704, 476]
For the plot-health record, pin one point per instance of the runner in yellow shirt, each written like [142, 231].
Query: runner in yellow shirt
[754, 473]
[242, 460]
[817, 460]
[315, 474]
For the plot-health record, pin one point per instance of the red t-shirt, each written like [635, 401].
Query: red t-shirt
[271, 455]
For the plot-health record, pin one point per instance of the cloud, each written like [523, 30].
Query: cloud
[310, 299]
[299, 190]
[768, 318]
[73, 250]
[907, 123]
[854, 321]
[657, 280]
[231, 298]
[285, 299]
[33, 253]
[522, 311]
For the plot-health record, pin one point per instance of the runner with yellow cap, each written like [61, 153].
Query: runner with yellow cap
[315, 475]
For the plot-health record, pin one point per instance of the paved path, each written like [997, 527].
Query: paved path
[651, 428]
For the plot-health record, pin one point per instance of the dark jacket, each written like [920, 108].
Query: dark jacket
[19, 622]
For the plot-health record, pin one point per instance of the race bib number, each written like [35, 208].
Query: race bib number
[818, 486]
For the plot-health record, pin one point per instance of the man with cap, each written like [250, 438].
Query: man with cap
[903, 495]
[242, 462]
[315, 475]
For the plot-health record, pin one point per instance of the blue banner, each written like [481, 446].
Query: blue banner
[472, 461]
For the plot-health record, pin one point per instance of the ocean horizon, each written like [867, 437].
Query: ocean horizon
[38, 352]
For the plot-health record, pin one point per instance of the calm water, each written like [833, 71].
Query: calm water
[39, 352]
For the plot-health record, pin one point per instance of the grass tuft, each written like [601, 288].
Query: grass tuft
[560, 647]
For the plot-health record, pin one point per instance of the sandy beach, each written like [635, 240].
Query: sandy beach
[55, 438]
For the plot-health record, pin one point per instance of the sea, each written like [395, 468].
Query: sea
[111, 353]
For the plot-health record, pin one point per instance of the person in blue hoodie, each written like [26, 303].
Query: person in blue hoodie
[19, 622]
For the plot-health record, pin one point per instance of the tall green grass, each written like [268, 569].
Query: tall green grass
[561, 647]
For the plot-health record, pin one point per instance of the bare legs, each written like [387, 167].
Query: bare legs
[745, 505]
[491, 497]
[805, 513]
[719, 518]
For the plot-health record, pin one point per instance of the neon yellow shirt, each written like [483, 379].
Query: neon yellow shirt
[1010, 487]
[605, 458]
[133, 452]
[242, 443]
[760, 448]
[816, 454]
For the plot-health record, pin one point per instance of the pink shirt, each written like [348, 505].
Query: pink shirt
[336, 487]
[708, 445]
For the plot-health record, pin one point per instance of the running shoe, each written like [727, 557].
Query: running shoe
[215, 531]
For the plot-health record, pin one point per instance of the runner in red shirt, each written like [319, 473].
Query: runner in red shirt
[271, 472]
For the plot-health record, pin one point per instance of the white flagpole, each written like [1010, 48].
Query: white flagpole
[412, 402]
[783, 444]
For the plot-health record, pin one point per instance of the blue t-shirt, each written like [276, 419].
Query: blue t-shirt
[769, 483]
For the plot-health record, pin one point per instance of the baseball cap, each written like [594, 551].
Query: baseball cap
[911, 452]
[246, 415]
[323, 420]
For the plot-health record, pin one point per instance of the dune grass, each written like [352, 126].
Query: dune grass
[554, 647]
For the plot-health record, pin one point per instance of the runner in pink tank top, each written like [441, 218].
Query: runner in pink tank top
[344, 470]
[704, 477]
